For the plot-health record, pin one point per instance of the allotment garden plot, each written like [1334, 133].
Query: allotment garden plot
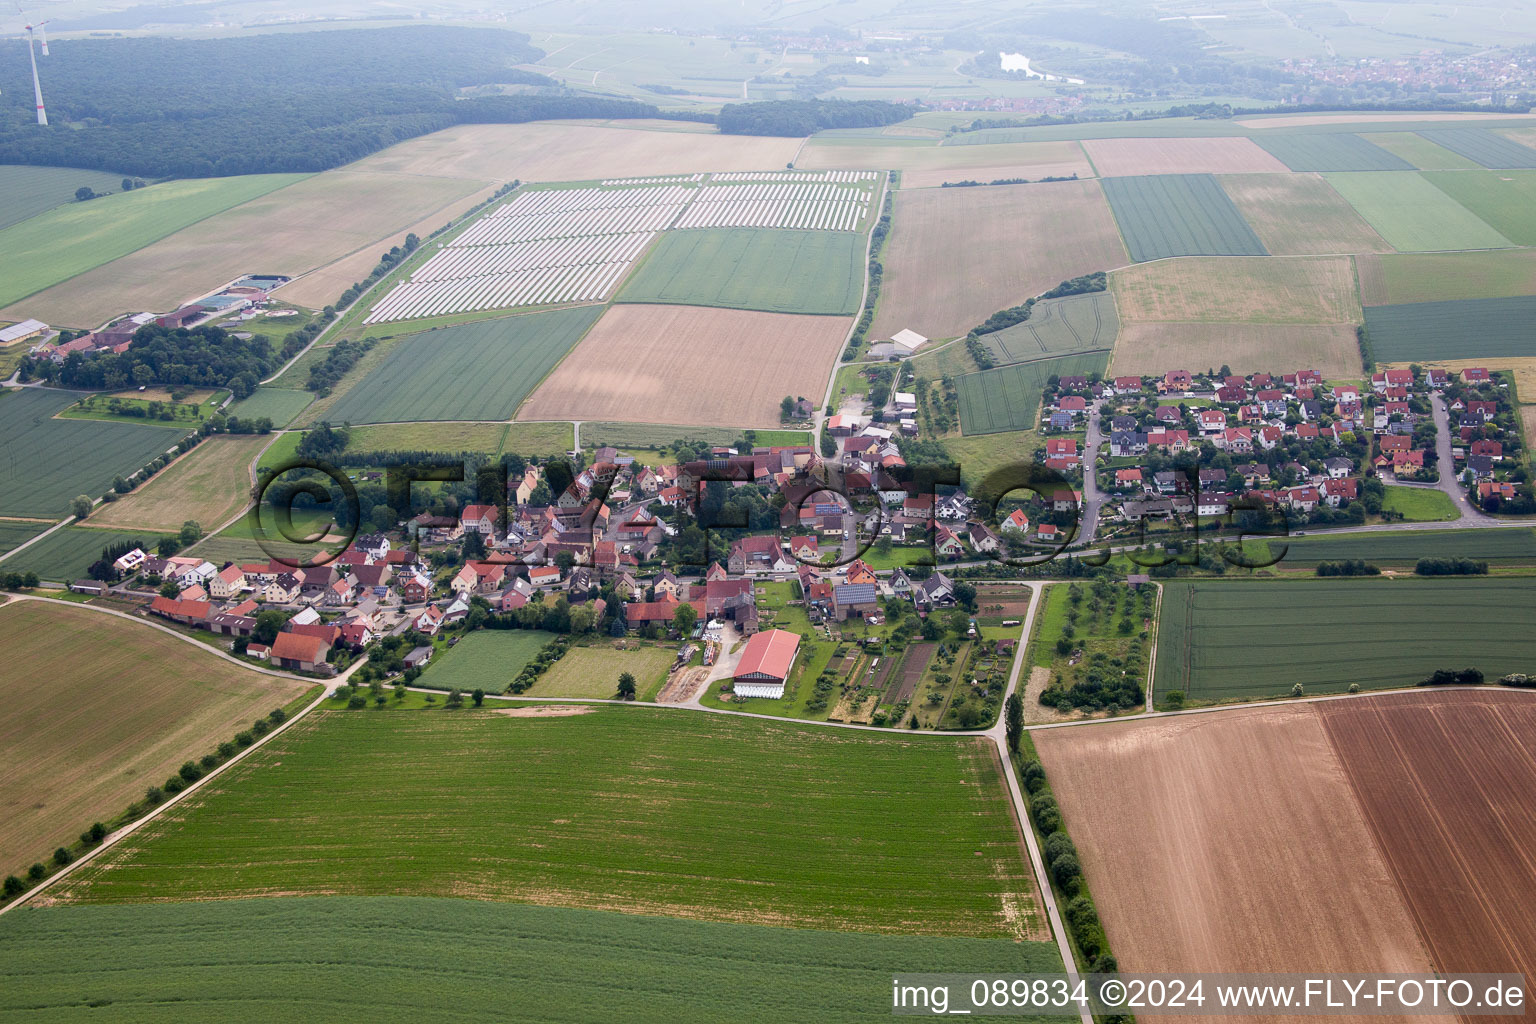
[559, 245]
[1256, 639]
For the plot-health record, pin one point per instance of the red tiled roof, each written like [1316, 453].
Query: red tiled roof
[298, 647]
[769, 654]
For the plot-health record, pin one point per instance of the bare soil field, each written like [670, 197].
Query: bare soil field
[1300, 215]
[1114, 158]
[1268, 290]
[1206, 840]
[105, 708]
[918, 657]
[321, 286]
[690, 365]
[958, 255]
[931, 166]
[210, 484]
[1330, 349]
[1455, 828]
[552, 151]
[289, 231]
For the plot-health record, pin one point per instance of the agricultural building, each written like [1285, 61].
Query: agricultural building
[22, 331]
[765, 664]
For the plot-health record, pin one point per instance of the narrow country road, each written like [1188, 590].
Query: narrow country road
[1092, 500]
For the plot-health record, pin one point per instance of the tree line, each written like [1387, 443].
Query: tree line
[805, 117]
[196, 357]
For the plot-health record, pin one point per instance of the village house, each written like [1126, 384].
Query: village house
[299, 652]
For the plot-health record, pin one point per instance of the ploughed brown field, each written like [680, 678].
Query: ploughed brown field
[690, 365]
[1385, 833]
[957, 255]
[1114, 158]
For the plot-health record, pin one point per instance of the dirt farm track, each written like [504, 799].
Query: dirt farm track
[1384, 833]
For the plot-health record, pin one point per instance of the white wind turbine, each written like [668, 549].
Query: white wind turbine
[37, 86]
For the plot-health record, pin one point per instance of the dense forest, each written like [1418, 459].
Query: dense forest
[159, 107]
[202, 357]
[803, 117]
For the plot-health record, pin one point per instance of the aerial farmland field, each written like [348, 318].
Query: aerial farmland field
[17, 531]
[1437, 277]
[30, 191]
[477, 371]
[954, 255]
[1293, 290]
[1056, 327]
[106, 707]
[1008, 397]
[1151, 348]
[1115, 158]
[211, 484]
[929, 166]
[1483, 146]
[1412, 214]
[939, 852]
[486, 660]
[191, 963]
[1254, 639]
[1333, 151]
[1179, 215]
[1181, 819]
[594, 671]
[1501, 547]
[1465, 328]
[280, 405]
[690, 365]
[1300, 215]
[66, 554]
[1506, 200]
[774, 270]
[1420, 152]
[34, 480]
[70, 240]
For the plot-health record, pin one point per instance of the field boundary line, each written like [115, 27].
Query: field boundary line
[114, 838]
[28, 543]
[877, 208]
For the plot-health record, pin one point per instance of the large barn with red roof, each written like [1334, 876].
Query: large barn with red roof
[765, 664]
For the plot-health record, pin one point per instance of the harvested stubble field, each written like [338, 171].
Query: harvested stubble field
[478, 371]
[1076, 323]
[955, 255]
[1465, 328]
[932, 166]
[690, 365]
[1007, 398]
[1300, 215]
[774, 270]
[594, 672]
[486, 659]
[200, 962]
[288, 231]
[35, 480]
[1180, 820]
[1115, 158]
[1444, 822]
[1179, 215]
[210, 484]
[1293, 290]
[69, 240]
[1334, 151]
[1331, 349]
[636, 809]
[30, 191]
[105, 707]
[551, 151]
[1412, 214]
[1506, 200]
[1249, 639]
[1438, 277]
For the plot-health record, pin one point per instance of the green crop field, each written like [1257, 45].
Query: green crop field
[1412, 214]
[1164, 215]
[1506, 200]
[65, 554]
[1419, 504]
[1331, 152]
[381, 960]
[1483, 146]
[479, 371]
[14, 532]
[30, 191]
[1258, 638]
[779, 271]
[1404, 548]
[280, 405]
[638, 808]
[49, 461]
[69, 240]
[594, 672]
[1419, 151]
[488, 659]
[1076, 323]
[1008, 397]
[1410, 278]
[651, 435]
[1462, 328]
